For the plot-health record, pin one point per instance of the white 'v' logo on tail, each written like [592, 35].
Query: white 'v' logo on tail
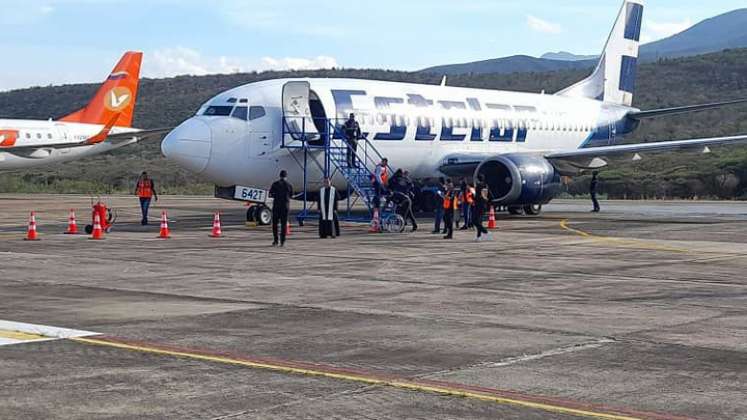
[118, 101]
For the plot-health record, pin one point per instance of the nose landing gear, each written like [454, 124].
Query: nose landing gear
[260, 214]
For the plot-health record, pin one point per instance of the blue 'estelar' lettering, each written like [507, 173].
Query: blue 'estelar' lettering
[396, 131]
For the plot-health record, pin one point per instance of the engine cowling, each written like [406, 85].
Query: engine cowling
[520, 179]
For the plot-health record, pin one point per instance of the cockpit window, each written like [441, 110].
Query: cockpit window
[231, 100]
[243, 101]
[256, 112]
[218, 111]
[240, 112]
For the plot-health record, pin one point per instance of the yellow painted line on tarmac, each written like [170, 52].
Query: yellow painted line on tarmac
[632, 243]
[21, 336]
[361, 378]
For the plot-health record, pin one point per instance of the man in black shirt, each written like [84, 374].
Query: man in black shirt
[593, 191]
[281, 192]
[438, 205]
[352, 131]
[482, 198]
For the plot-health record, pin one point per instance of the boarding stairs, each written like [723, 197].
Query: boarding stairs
[326, 149]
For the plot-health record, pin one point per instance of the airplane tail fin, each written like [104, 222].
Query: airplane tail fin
[614, 78]
[115, 99]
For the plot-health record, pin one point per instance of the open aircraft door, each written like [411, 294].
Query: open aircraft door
[297, 117]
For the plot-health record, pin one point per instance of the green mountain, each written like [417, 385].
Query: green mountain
[666, 82]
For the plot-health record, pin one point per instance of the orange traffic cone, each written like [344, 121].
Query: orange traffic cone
[97, 233]
[72, 225]
[491, 219]
[164, 227]
[288, 229]
[375, 223]
[32, 234]
[217, 232]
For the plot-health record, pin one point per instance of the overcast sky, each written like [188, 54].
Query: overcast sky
[68, 41]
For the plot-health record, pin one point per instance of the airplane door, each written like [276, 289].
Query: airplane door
[299, 122]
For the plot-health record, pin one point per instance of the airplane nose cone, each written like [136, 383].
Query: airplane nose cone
[189, 145]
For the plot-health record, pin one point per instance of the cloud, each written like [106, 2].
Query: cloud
[15, 12]
[274, 17]
[538, 25]
[654, 30]
[169, 62]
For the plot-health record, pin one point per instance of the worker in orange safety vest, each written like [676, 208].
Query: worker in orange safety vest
[145, 189]
[467, 201]
[450, 205]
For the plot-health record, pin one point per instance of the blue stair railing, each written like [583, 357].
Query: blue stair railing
[303, 134]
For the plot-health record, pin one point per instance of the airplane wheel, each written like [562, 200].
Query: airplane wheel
[515, 211]
[533, 209]
[251, 214]
[264, 216]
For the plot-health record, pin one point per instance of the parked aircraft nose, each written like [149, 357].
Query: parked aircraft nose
[189, 145]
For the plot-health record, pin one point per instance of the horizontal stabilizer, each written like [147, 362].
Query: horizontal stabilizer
[681, 110]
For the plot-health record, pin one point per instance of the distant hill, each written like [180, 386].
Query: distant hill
[711, 35]
[566, 56]
[506, 65]
[719, 33]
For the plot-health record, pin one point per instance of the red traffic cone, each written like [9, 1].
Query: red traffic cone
[72, 225]
[375, 223]
[491, 219]
[32, 234]
[97, 233]
[217, 232]
[288, 229]
[165, 234]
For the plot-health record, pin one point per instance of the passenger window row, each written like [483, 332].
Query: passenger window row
[39, 136]
[451, 122]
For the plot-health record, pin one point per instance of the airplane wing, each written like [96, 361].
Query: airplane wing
[600, 157]
[138, 136]
[462, 165]
[574, 161]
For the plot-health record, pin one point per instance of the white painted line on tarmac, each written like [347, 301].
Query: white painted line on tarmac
[552, 352]
[12, 332]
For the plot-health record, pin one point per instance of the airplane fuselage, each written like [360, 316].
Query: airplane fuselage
[416, 126]
[30, 143]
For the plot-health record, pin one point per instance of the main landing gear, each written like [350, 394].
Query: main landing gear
[529, 210]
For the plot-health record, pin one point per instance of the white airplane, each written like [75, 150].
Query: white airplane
[523, 143]
[104, 124]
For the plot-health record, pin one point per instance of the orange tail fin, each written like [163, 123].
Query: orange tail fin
[115, 99]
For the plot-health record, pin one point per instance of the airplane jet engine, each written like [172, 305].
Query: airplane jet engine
[520, 181]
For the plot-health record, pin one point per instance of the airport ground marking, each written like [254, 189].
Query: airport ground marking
[12, 333]
[20, 336]
[500, 397]
[620, 241]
